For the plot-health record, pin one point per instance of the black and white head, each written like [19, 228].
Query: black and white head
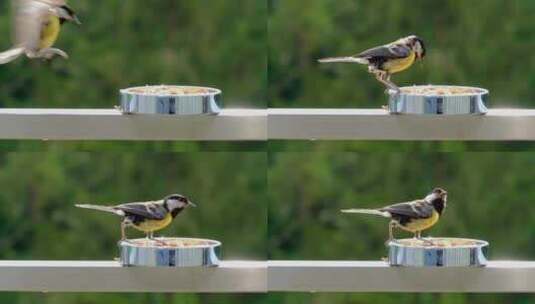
[417, 45]
[438, 197]
[65, 13]
[176, 202]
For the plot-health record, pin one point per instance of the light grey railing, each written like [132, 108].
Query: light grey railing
[86, 276]
[377, 124]
[71, 124]
[364, 276]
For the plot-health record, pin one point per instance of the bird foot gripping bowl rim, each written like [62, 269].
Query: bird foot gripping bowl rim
[439, 100]
[438, 252]
[170, 252]
[171, 100]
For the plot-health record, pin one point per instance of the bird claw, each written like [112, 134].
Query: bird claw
[51, 52]
[158, 242]
[387, 243]
[426, 241]
[394, 92]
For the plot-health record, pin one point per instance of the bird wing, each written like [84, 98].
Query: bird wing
[389, 51]
[53, 2]
[416, 209]
[149, 210]
[29, 18]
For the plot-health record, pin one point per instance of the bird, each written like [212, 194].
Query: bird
[148, 216]
[37, 24]
[414, 216]
[388, 59]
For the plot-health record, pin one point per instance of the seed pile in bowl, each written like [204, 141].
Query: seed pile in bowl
[170, 242]
[438, 242]
[168, 90]
[439, 90]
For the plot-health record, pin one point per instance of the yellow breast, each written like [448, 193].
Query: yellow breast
[398, 65]
[421, 224]
[154, 225]
[50, 32]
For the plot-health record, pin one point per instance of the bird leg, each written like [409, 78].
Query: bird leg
[123, 232]
[384, 78]
[150, 236]
[418, 236]
[47, 53]
[391, 231]
[393, 86]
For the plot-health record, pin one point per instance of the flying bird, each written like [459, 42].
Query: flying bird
[388, 59]
[37, 24]
[146, 216]
[415, 216]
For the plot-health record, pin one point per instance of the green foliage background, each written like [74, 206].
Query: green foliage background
[216, 43]
[479, 43]
[38, 219]
[490, 197]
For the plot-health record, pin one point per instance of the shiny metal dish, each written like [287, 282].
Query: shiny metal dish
[171, 100]
[170, 252]
[439, 100]
[445, 252]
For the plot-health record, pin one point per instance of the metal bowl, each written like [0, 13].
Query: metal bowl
[439, 100]
[171, 100]
[445, 252]
[170, 252]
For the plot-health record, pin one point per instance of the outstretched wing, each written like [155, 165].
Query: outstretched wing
[389, 51]
[414, 209]
[30, 15]
[149, 210]
[53, 2]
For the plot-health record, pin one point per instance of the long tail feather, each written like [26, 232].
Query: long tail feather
[344, 60]
[99, 208]
[10, 55]
[368, 211]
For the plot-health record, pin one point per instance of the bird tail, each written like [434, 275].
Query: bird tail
[344, 60]
[10, 55]
[368, 211]
[99, 208]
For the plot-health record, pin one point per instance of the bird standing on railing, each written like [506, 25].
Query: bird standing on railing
[146, 216]
[37, 24]
[383, 61]
[414, 216]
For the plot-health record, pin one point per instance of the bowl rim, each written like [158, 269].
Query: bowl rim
[211, 243]
[212, 91]
[482, 91]
[477, 244]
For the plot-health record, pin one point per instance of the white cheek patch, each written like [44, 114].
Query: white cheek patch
[419, 48]
[173, 204]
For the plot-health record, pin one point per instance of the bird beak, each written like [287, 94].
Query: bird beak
[191, 204]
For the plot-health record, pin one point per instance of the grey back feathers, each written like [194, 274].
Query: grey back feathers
[414, 209]
[344, 60]
[398, 49]
[368, 211]
[149, 210]
[101, 208]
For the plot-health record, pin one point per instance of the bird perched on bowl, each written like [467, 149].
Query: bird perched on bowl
[37, 24]
[388, 59]
[415, 216]
[146, 216]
